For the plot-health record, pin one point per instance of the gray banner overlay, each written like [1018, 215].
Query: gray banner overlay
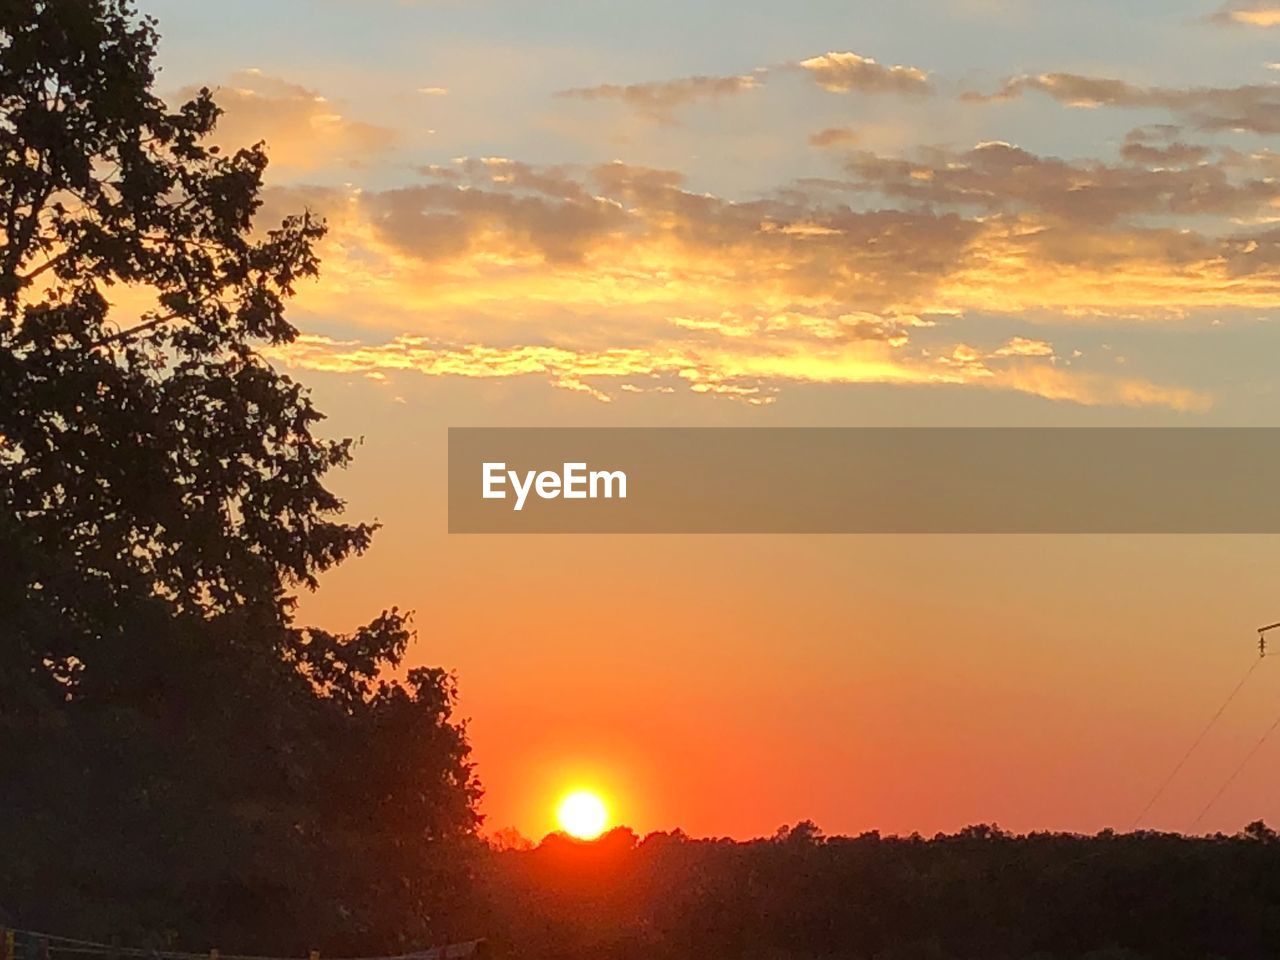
[864, 480]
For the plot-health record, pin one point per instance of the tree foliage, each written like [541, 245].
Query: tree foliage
[980, 894]
[181, 759]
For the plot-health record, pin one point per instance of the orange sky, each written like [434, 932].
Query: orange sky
[933, 212]
[727, 685]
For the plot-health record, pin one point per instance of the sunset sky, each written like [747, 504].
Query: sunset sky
[957, 212]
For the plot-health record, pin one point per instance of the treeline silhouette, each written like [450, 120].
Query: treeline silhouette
[181, 760]
[980, 894]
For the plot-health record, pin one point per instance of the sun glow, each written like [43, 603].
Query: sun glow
[582, 814]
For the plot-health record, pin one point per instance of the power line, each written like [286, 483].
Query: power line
[1236, 772]
[1197, 741]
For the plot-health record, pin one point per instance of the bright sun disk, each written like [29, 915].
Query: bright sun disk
[582, 814]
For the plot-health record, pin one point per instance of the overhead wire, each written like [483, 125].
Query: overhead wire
[1204, 732]
[1235, 773]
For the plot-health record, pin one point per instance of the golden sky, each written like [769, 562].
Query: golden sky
[953, 212]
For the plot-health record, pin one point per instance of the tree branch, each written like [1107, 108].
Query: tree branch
[47, 265]
[133, 331]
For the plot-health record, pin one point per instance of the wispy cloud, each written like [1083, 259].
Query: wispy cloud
[659, 99]
[1250, 107]
[1253, 13]
[303, 129]
[837, 72]
[998, 176]
[833, 136]
[736, 369]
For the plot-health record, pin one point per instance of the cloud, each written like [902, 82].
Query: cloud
[1024, 347]
[835, 72]
[832, 136]
[1253, 13]
[303, 130]
[735, 369]
[844, 328]
[845, 72]
[994, 229]
[1251, 107]
[616, 278]
[439, 222]
[657, 100]
[615, 224]
[1166, 151]
[998, 176]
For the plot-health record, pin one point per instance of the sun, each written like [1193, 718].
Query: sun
[582, 814]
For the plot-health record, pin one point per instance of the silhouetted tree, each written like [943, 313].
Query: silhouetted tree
[179, 757]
